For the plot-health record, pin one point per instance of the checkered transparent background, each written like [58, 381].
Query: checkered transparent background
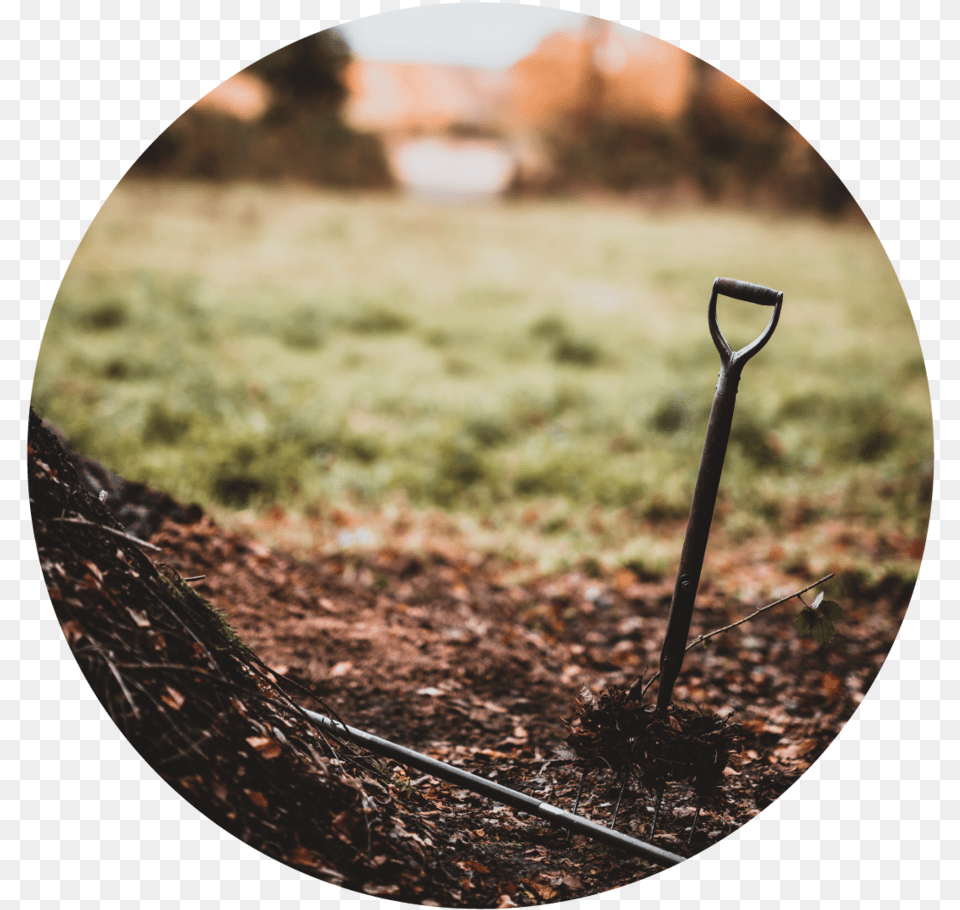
[85, 823]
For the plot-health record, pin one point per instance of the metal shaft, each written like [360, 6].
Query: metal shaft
[695, 542]
[708, 478]
[497, 792]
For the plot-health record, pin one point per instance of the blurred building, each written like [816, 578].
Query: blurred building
[604, 71]
[417, 98]
[439, 121]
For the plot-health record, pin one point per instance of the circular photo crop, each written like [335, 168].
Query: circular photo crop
[480, 456]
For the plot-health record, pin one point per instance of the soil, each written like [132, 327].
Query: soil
[437, 650]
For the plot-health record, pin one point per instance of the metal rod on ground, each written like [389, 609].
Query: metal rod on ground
[708, 478]
[498, 792]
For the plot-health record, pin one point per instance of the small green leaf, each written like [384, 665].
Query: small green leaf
[832, 610]
[823, 630]
[816, 602]
[804, 620]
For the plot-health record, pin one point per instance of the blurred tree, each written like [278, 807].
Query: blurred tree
[727, 146]
[309, 71]
[301, 136]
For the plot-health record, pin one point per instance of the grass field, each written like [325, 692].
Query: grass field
[524, 365]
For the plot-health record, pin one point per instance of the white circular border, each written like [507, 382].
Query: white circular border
[84, 819]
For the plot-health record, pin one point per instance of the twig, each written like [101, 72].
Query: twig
[708, 635]
[118, 677]
[116, 533]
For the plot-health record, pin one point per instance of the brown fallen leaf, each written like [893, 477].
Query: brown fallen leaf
[301, 856]
[831, 685]
[139, 618]
[624, 579]
[257, 798]
[543, 891]
[267, 747]
[492, 706]
[797, 749]
[72, 631]
[172, 698]
[571, 881]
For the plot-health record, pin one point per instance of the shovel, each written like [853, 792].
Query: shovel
[708, 478]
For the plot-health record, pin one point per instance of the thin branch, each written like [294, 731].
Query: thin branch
[118, 677]
[116, 532]
[708, 635]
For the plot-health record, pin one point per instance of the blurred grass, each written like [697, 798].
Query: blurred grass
[242, 346]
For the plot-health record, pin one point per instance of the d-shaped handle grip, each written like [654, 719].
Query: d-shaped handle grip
[751, 293]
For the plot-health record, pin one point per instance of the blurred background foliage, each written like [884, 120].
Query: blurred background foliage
[706, 153]
[258, 319]
[299, 136]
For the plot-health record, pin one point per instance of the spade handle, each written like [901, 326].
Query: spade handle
[708, 478]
